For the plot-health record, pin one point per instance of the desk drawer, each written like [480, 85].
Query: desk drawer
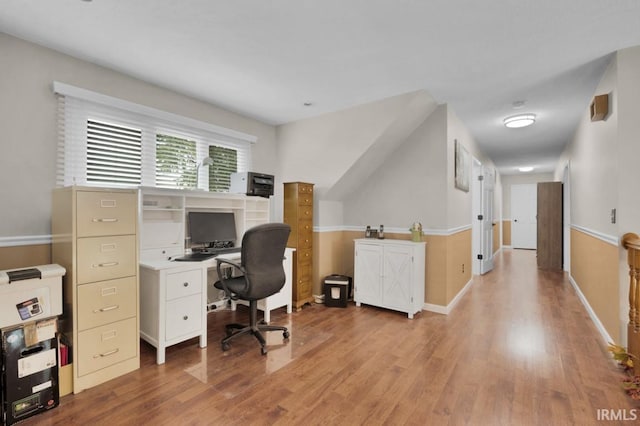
[105, 302]
[105, 258]
[184, 316]
[185, 283]
[105, 213]
[107, 345]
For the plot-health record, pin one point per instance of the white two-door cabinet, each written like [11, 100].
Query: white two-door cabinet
[389, 274]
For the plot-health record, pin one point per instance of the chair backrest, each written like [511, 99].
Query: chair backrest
[262, 254]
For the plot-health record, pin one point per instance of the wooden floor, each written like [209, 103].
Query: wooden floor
[518, 349]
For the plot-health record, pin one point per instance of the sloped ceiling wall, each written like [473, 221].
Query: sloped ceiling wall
[338, 152]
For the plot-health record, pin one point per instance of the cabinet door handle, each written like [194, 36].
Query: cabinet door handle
[105, 265]
[113, 352]
[105, 219]
[185, 284]
[186, 317]
[108, 308]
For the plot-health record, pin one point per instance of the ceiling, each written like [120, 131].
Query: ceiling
[265, 59]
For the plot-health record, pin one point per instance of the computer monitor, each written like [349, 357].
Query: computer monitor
[209, 228]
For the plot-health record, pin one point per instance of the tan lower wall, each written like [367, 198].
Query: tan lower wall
[594, 268]
[496, 237]
[24, 256]
[447, 263]
[329, 257]
[458, 263]
[506, 232]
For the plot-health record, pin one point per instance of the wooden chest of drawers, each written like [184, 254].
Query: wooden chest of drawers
[298, 213]
[95, 237]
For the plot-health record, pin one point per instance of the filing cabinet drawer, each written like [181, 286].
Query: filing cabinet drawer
[105, 258]
[105, 302]
[185, 283]
[183, 316]
[106, 345]
[105, 213]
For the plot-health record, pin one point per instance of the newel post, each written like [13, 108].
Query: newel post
[631, 242]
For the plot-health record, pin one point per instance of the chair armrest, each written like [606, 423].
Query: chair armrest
[221, 279]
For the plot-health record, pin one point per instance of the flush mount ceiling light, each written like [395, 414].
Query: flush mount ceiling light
[525, 169]
[520, 120]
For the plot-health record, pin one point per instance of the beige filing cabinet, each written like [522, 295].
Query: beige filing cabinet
[95, 237]
[298, 213]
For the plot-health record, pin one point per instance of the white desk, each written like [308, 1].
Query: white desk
[173, 300]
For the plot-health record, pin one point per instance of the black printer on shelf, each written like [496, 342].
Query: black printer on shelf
[252, 183]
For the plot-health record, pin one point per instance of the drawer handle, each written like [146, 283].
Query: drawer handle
[108, 308]
[105, 219]
[185, 284]
[186, 317]
[105, 265]
[113, 352]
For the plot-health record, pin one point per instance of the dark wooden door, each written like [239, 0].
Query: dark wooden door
[550, 225]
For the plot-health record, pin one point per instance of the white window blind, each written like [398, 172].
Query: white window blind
[106, 141]
[114, 153]
[176, 162]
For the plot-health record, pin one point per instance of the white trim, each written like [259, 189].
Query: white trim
[329, 229]
[358, 228]
[25, 240]
[596, 321]
[439, 309]
[88, 95]
[599, 235]
[507, 246]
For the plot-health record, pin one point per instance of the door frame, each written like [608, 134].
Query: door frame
[566, 216]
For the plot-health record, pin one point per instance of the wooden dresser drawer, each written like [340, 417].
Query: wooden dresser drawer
[185, 283]
[305, 213]
[105, 213]
[304, 256]
[305, 240]
[106, 345]
[183, 316]
[305, 188]
[105, 302]
[305, 199]
[105, 258]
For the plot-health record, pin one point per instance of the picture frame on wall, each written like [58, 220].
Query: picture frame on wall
[462, 164]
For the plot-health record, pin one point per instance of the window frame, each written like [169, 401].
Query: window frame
[76, 106]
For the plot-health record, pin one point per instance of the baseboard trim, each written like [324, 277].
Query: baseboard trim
[439, 309]
[596, 321]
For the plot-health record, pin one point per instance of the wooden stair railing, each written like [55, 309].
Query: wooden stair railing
[631, 242]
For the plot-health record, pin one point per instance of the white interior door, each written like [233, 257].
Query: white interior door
[524, 203]
[487, 185]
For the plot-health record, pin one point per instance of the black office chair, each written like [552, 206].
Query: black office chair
[262, 275]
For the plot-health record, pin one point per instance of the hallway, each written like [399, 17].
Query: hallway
[519, 349]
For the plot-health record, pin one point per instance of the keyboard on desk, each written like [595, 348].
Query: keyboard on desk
[226, 250]
[195, 257]
[204, 255]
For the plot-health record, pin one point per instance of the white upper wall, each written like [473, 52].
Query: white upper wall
[628, 106]
[593, 161]
[28, 123]
[410, 186]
